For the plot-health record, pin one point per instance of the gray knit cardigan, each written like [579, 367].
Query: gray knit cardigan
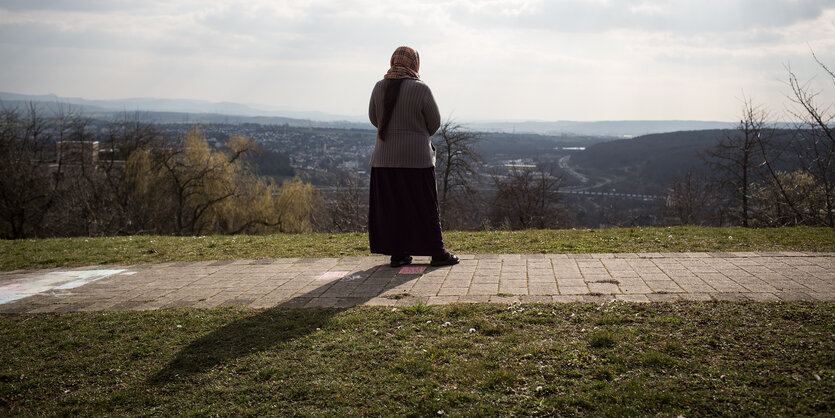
[414, 121]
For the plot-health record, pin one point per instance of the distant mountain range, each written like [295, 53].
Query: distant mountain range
[179, 111]
[201, 111]
[617, 128]
[176, 105]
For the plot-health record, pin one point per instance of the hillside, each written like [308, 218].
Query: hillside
[505, 146]
[619, 128]
[648, 163]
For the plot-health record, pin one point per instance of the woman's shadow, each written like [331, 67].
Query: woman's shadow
[271, 327]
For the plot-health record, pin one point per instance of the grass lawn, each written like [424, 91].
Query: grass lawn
[37, 253]
[688, 359]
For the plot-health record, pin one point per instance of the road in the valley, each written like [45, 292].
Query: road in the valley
[563, 163]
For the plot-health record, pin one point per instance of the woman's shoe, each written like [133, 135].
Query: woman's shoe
[446, 260]
[400, 261]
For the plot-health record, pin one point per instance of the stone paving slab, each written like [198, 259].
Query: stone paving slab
[482, 278]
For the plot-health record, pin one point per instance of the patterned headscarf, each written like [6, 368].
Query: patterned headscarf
[405, 63]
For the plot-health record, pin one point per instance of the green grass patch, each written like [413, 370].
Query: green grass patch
[602, 339]
[717, 359]
[57, 252]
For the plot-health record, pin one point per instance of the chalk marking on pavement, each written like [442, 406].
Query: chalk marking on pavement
[332, 275]
[412, 270]
[55, 280]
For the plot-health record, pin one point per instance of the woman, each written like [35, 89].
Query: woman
[403, 217]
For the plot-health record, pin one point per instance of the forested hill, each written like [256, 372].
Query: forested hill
[649, 163]
[661, 152]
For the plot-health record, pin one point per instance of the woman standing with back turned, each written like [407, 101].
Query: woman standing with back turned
[403, 218]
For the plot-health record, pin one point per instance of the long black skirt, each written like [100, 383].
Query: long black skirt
[403, 216]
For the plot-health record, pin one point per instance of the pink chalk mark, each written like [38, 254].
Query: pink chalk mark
[412, 270]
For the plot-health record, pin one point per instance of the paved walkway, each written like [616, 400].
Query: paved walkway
[351, 281]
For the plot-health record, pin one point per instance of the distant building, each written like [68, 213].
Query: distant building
[78, 152]
[520, 167]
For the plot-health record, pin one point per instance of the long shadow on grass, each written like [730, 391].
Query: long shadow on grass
[271, 327]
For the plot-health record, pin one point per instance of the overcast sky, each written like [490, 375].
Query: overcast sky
[502, 59]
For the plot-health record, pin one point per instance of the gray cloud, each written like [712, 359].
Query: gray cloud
[42, 35]
[656, 15]
[315, 31]
[541, 56]
[76, 5]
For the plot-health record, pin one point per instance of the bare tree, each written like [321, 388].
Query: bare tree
[735, 160]
[816, 145]
[348, 208]
[797, 187]
[525, 199]
[29, 180]
[82, 202]
[690, 199]
[123, 138]
[457, 164]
